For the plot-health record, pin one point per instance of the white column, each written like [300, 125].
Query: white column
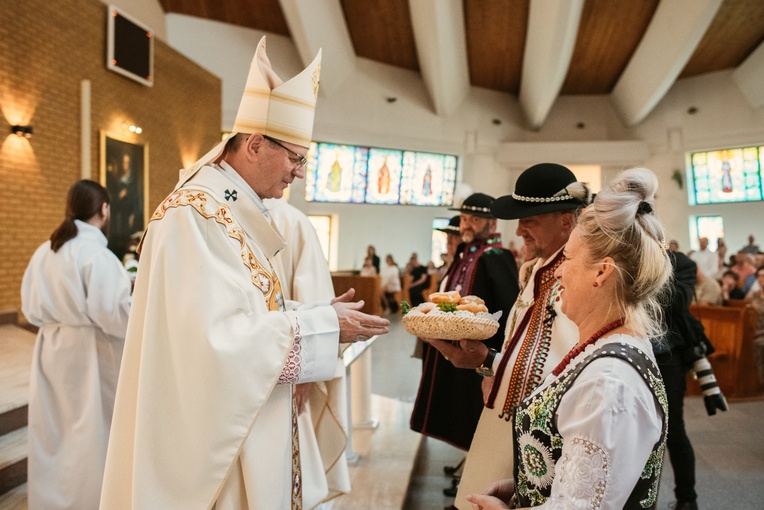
[360, 380]
[85, 166]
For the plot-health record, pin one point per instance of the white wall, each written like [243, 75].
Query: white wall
[357, 112]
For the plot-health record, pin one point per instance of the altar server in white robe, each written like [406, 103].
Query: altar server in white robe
[204, 416]
[78, 293]
[322, 418]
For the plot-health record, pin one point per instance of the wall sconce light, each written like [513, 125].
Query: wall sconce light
[132, 128]
[25, 131]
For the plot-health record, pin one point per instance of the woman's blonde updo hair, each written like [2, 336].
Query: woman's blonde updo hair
[621, 224]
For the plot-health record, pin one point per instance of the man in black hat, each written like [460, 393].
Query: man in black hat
[450, 401]
[546, 201]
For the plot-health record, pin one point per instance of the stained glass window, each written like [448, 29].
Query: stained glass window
[346, 173]
[336, 173]
[383, 185]
[729, 175]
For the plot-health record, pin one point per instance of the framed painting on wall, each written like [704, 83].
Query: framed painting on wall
[124, 174]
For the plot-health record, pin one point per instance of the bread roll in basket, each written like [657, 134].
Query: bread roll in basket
[448, 326]
[449, 316]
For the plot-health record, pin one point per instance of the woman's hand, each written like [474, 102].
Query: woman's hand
[485, 502]
[496, 497]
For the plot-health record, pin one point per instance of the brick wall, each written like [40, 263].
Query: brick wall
[46, 49]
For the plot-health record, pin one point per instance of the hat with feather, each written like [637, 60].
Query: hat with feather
[542, 188]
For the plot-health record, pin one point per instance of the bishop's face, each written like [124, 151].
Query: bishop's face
[279, 164]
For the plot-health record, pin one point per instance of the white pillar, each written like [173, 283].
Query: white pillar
[360, 380]
[85, 122]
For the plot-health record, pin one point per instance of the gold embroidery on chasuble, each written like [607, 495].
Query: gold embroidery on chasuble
[268, 283]
[527, 372]
[206, 205]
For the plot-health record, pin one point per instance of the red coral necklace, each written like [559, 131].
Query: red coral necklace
[578, 349]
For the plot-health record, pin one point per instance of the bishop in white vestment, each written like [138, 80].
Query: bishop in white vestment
[204, 416]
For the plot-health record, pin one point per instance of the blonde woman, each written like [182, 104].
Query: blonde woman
[593, 434]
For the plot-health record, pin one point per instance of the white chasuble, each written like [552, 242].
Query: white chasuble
[203, 411]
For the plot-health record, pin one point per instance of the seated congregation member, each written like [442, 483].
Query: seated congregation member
[593, 434]
[707, 290]
[731, 286]
[368, 268]
[78, 293]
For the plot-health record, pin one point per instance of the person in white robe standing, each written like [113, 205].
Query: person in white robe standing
[78, 293]
[322, 405]
[205, 416]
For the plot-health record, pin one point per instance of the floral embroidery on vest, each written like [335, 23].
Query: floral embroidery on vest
[585, 466]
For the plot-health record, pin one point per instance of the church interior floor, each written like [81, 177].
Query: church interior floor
[398, 468]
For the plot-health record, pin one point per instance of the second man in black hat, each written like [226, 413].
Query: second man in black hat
[450, 399]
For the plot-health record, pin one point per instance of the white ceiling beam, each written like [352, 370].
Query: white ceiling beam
[551, 38]
[316, 24]
[750, 75]
[668, 43]
[441, 46]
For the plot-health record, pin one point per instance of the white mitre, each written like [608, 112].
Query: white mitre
[272, 107]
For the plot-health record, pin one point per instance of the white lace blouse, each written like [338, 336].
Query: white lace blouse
[609, 422]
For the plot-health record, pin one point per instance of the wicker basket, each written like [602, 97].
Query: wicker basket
[450, 328]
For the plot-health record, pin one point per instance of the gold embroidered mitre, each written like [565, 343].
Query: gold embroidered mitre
[281, 110]
[272, 107]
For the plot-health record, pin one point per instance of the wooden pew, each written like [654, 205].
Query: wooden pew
[405, 284]
[432, 288]
[368, 288]
[730, 329]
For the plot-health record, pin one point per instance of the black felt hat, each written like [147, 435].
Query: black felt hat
[540, 189]
[453, 226]
[477, 204]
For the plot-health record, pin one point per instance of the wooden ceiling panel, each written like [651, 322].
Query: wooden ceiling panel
[608, 34]
[381, 30]
[496, 32]
[265, 15]
[735, 32]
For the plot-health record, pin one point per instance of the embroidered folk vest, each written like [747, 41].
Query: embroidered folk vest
[538, 443]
